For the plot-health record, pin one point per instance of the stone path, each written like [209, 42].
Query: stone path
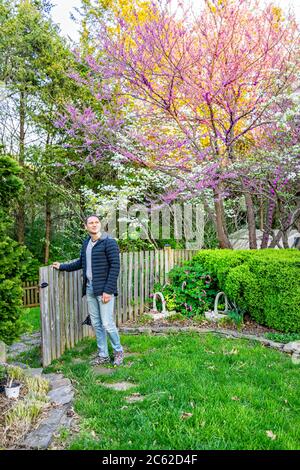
[61, 395]
[25, 344]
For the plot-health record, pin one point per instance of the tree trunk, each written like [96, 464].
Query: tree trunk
[250, 216]
[251, 221]
[21, 206]
[261, 214]
[268, 224]
[220, 218]
[48, 229]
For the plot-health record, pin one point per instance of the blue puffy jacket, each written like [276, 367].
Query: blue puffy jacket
[105, 265]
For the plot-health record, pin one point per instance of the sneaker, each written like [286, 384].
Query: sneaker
[118, 358]
[98, 360]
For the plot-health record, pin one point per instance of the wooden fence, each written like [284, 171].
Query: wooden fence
[31, 295]
[63, 309]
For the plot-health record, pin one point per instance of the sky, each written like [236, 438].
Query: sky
[63, 8]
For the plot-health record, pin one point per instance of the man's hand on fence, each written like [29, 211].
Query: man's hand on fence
[106, 297]
[56, 265]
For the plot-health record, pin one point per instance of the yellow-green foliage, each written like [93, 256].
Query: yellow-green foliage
[264, 283]
[37, 385]
[25, 411]
[20, 417]
[15, 373]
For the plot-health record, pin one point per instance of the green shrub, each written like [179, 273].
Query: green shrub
[263, 283]
[12, 255]
[191, 290]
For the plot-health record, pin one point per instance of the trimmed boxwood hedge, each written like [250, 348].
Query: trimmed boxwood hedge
[264, 283]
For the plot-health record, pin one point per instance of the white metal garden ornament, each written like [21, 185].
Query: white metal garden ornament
[215, 315]
[154, 313]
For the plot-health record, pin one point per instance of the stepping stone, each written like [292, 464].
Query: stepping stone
[119, 386]
[129, 354]
[61, 395]
[58, 383]
[34, 372]
[53, 376]
[99, 370]
[41, 437]
[135, 397]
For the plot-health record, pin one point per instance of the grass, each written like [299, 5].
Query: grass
[32, 357]
[201, 392]
[31, 320]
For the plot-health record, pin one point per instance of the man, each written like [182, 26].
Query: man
[100, 262]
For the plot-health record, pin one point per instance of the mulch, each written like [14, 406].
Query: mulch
[249, 326]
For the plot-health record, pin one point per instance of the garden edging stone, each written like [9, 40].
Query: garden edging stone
[290, 348]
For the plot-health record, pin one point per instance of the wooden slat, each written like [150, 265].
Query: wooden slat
[156, 267]
[76, 308]
[52, 315]
[72, 319]
[151, 273]
[124, 290]
[166, 254]
[119, 297]
[162, 267]
[57, 314]
[130, 285]
[67, 312]
[45, 318]
[80, 306]
[62, 287]
[146, 280]
[136, 283]
[142, 289]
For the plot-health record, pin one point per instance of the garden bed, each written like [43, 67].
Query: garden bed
[19, 415]
[249, 326]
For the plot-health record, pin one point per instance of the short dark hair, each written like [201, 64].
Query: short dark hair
[89, 216]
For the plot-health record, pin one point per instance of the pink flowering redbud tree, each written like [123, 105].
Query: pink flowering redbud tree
[182, 88]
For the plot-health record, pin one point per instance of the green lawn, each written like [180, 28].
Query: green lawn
[201, 392]
[31, 319]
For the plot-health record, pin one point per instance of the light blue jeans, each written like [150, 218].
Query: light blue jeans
[102, 318]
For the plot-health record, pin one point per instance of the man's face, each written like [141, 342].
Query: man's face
[93, 225]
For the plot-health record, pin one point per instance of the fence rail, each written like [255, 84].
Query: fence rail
[31, 294]
[63, 309]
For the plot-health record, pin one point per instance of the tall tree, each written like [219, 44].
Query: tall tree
[195, 85]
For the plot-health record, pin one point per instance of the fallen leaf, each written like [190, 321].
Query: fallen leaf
[186, 415]
[271, 435]
[233, 351]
